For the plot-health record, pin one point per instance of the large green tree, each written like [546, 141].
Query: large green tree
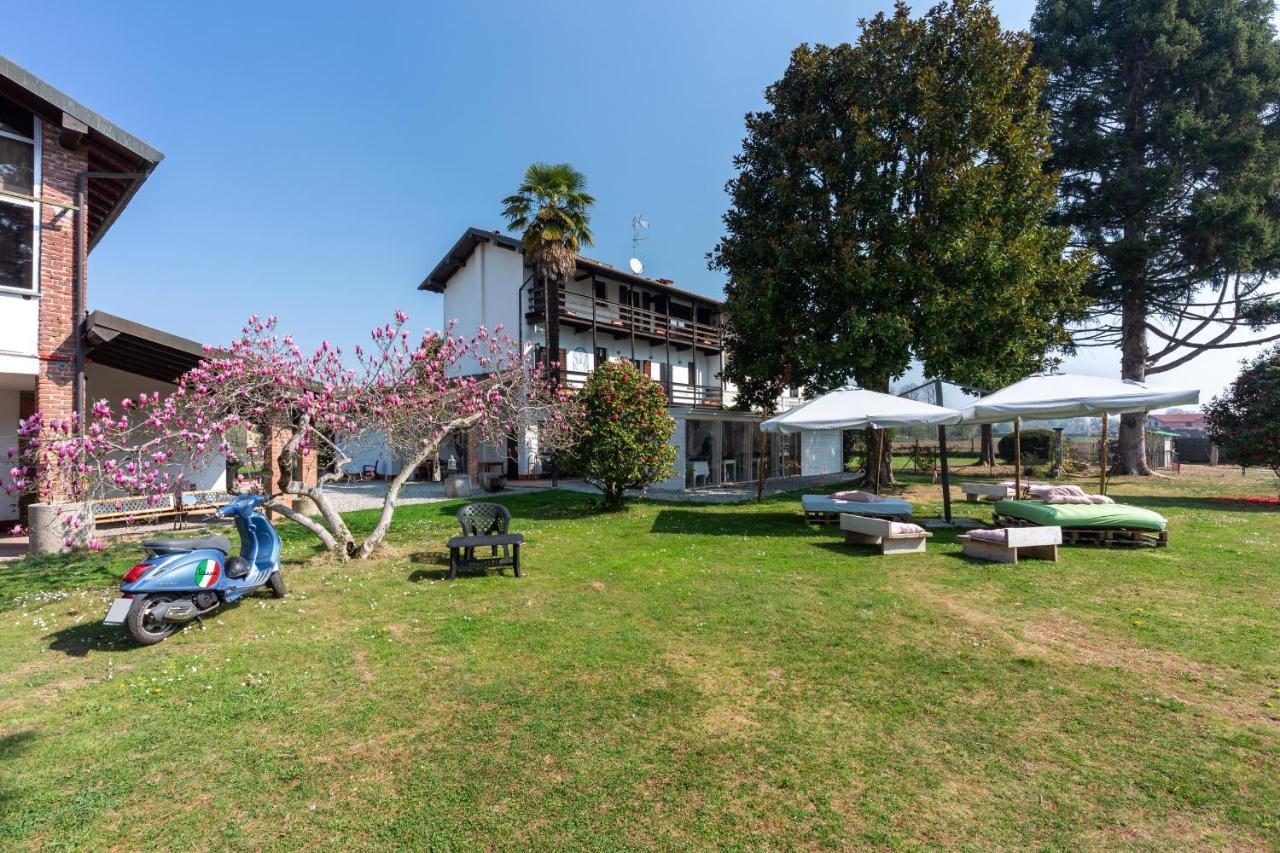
[1166, 137]
[891, 204]
[551, 210]
[1245, 419]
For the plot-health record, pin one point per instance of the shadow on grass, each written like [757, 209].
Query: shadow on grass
[693, 522]
[12, 745]
[78, 640]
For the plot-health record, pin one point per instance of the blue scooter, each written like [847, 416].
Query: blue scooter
[185, 579]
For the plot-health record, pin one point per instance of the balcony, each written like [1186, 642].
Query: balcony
[585, 312]
[678, 393]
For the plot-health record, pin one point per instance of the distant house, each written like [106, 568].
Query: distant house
[66, 175]
[673, 336]
[1186, 424]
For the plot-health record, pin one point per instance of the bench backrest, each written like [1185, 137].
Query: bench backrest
[484, 519]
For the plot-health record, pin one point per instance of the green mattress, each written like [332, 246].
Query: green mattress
[1082, 515]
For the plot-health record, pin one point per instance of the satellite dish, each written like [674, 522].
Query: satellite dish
[636, 266]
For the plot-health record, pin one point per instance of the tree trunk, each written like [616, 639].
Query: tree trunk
[296, 517]
[1131, 457]
[551, 299]
[427, 451]
[987, 447]
[379, 532]
[883, 475]
[343, 542]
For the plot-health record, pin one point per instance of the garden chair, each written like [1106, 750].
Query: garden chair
[484, 525]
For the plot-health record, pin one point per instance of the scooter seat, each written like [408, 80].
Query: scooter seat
[199, 543]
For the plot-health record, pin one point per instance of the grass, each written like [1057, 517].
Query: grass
[671, 676]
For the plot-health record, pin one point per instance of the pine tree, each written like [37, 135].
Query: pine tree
[1166, 137]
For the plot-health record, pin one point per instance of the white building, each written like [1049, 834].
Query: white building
[674, 336]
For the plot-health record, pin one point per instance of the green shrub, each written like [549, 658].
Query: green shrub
[621, 432]
[1037, 446]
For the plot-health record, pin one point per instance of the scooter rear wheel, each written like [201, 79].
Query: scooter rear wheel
[142, 627]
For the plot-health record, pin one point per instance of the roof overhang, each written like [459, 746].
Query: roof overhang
[456, 258]
[111, 149]
[134, 348]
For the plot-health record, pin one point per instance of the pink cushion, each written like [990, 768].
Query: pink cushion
[996, 536]
[860, 497]
[1069, 499]
[904, 528]
[1044, 491]
[1101, 499]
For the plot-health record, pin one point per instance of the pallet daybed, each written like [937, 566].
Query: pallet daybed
[974, 492]
[1035, 543]
[824, 509]
[861, 530]
[1100, 524]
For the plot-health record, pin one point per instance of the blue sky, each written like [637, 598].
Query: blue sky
[321, 157]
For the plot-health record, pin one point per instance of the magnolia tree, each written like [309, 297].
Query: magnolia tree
[622, 432]
[413, 392]
[1245, 419]
[139, 448]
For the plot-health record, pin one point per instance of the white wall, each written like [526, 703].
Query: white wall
[370, 450]
[8, 438]
[485, 292]
[821, 452]
[19, 334]
[107, 383]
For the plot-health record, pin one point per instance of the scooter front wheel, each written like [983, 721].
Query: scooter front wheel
[142, 627]
[277, 584]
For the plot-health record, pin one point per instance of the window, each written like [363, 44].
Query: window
[18, 213]
[17, 245]
[17, 150]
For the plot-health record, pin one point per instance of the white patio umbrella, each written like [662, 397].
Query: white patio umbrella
[854, 408]
[1070, 395]
[857, 408]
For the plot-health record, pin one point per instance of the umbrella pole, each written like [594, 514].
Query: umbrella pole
[879, 457]
[1017, 459]
[1102, 473]
[946, 474]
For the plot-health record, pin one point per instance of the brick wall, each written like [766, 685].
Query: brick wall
[58, 168]
[310, 466]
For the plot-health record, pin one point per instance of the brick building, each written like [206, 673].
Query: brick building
[66, 174]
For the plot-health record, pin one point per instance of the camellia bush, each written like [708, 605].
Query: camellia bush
[1245, 419]
[621, 433]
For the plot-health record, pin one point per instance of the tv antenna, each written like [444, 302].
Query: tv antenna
[638, 223]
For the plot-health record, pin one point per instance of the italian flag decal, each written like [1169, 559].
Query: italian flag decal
[206, 573]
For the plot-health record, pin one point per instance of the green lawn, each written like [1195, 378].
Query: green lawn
[672, 676]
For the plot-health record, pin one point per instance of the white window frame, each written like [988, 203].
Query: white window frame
[32, 202]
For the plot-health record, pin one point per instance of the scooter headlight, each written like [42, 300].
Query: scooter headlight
[137, 572]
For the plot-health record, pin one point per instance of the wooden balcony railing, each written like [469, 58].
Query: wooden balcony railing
[678, 393]
[582, 310]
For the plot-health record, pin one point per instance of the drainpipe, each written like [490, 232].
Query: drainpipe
[79, 278]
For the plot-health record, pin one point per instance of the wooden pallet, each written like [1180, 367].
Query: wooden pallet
[1107, 537]
[834, 517]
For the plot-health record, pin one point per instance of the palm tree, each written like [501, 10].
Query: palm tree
[550, 211]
